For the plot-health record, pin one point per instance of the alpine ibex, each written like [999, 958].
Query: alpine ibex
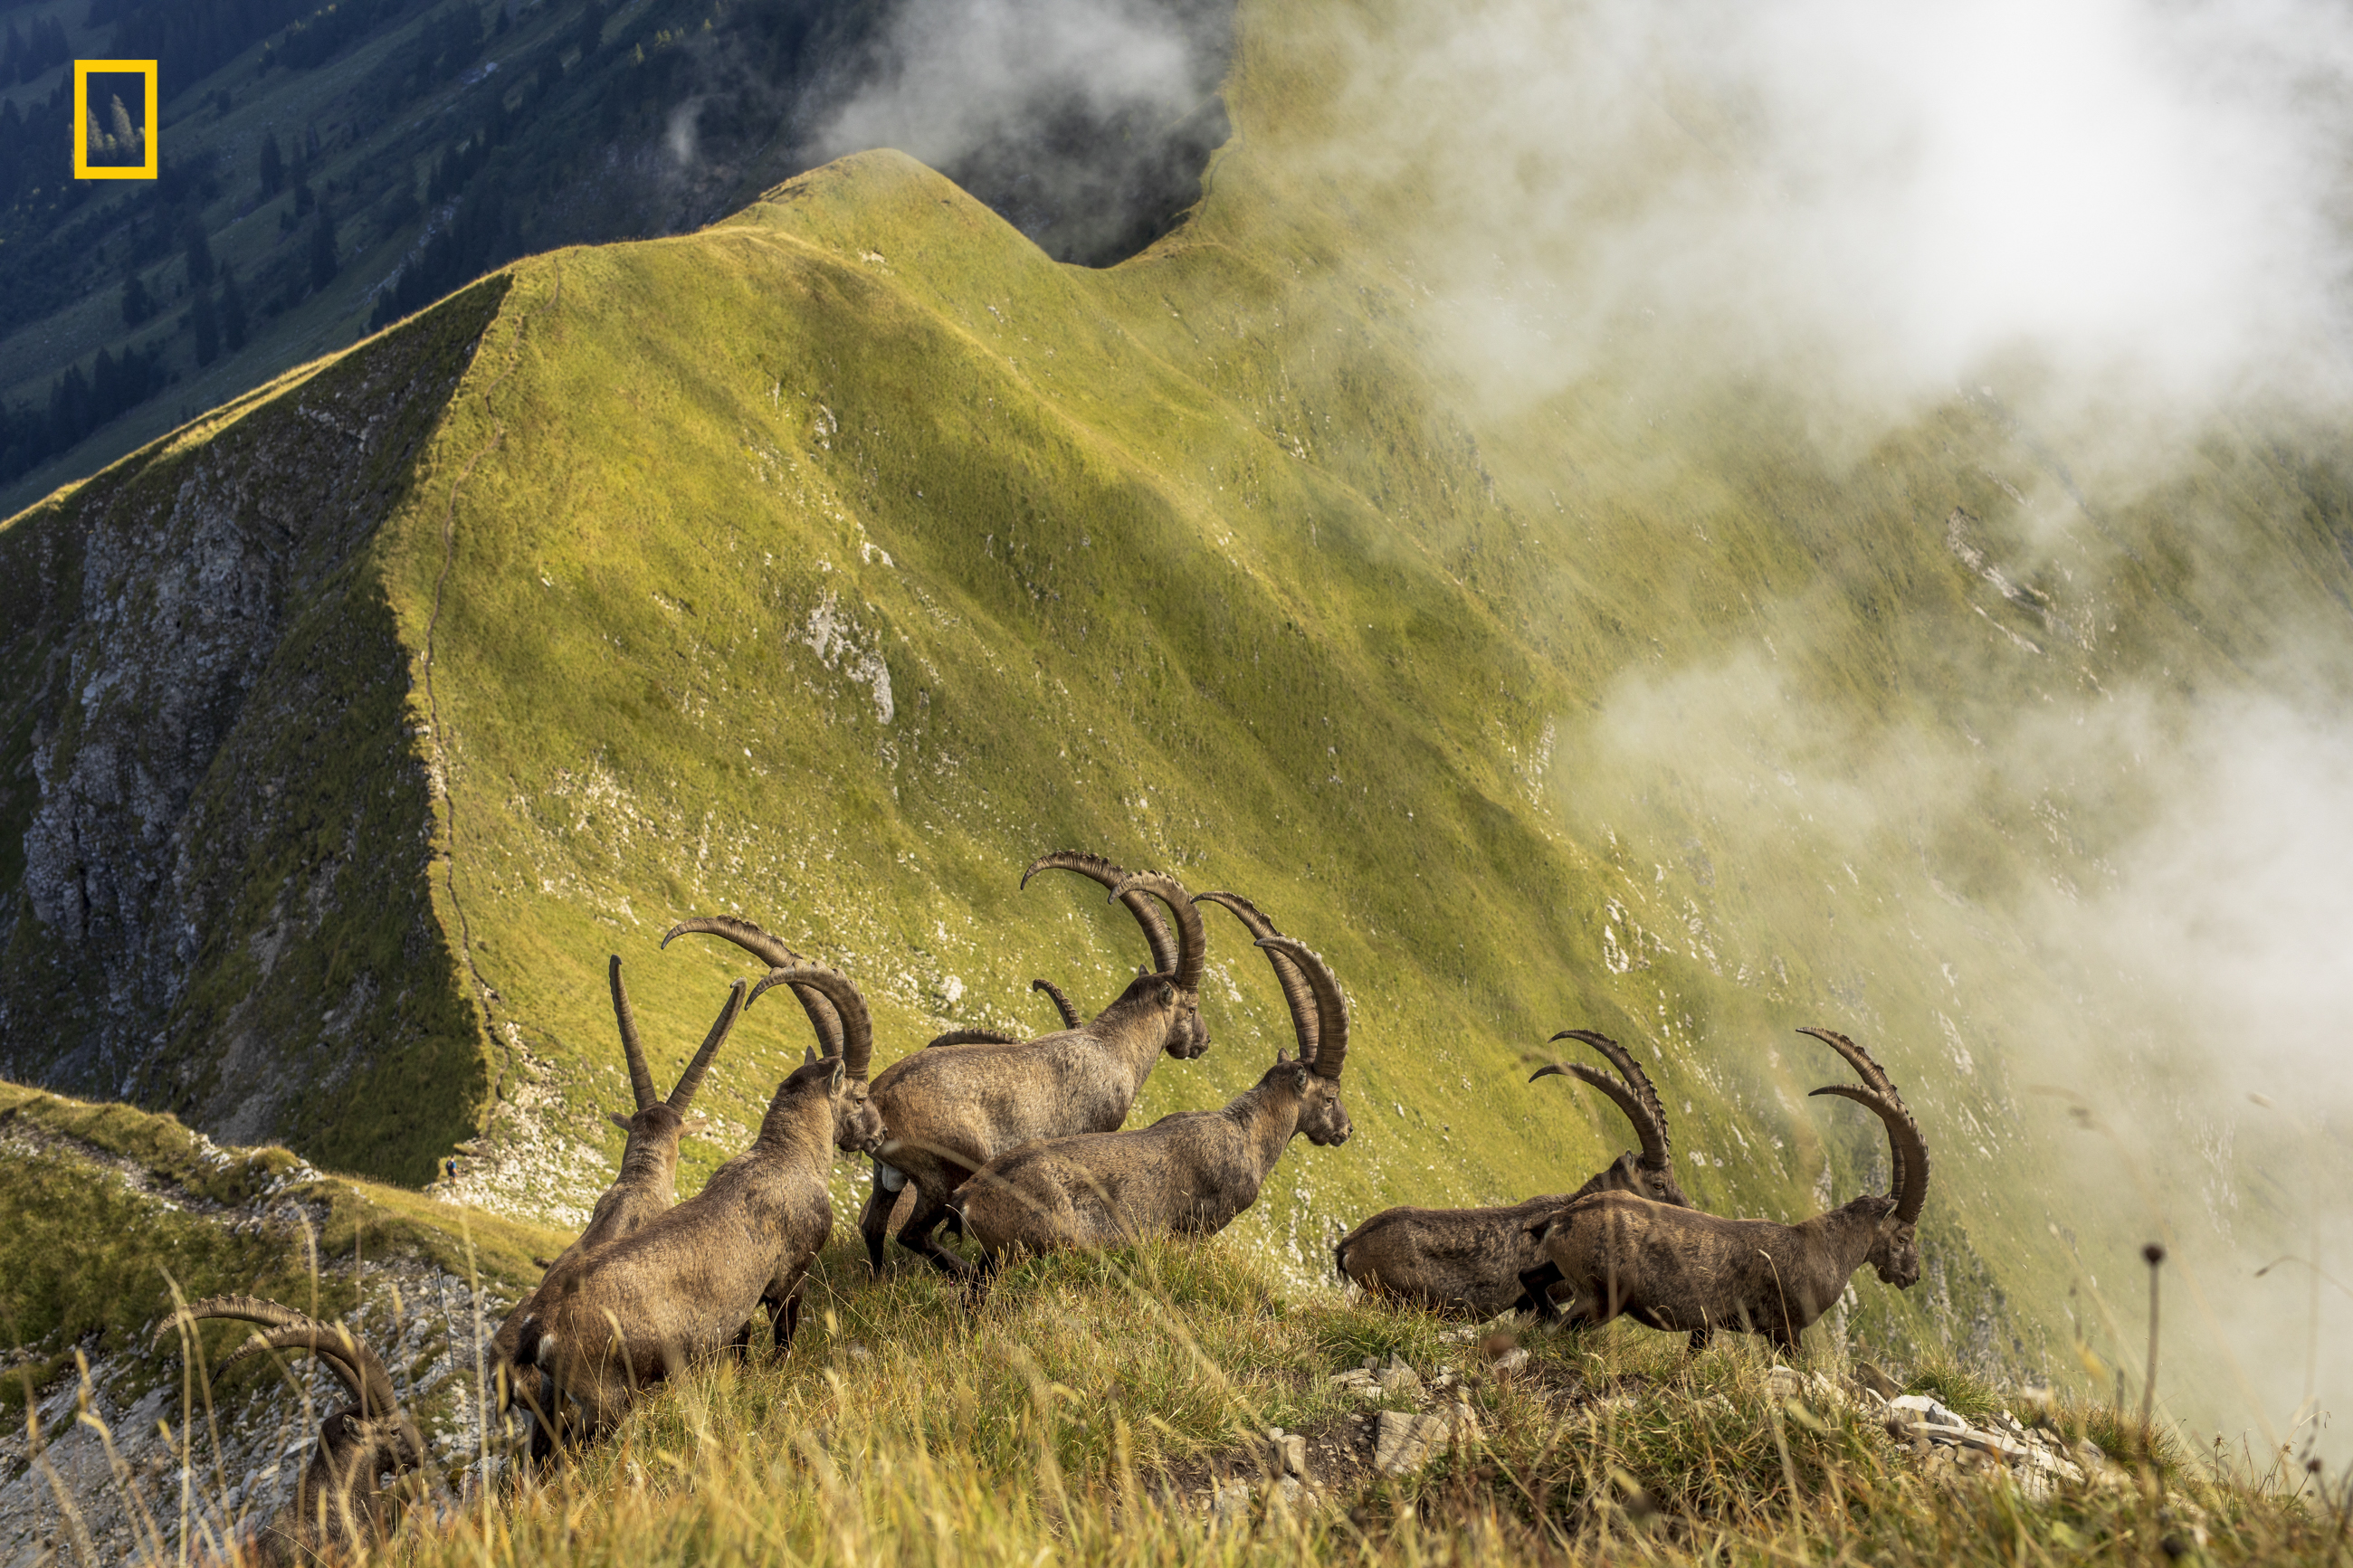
[647, 1183]
[341, 1505]
[1187, 1173]
[1062, 1009]
[684, 1285]
[1682, 1272]
[949, 1112]
[1470, 1261]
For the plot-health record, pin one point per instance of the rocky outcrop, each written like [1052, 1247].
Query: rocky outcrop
[217, 900]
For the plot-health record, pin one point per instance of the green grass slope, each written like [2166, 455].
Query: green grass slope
[109, 1208]
[828, 564]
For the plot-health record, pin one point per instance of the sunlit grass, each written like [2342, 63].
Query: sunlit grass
[1078, 1413]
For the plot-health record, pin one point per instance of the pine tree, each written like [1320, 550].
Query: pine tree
[127, 139]
[208, 325]
[200, 254]
[325, 261]
[138, 305]
[232, 311]
[273, 165]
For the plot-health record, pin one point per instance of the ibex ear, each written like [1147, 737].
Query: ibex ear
[834, 1081]
[1281, 1057]
[809, 1056]
[617, 1119]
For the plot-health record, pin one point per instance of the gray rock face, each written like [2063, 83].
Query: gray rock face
[215, 827]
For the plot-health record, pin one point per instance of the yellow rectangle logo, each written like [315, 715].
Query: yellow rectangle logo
[83, 168]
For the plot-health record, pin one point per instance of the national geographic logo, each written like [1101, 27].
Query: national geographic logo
[113, 137]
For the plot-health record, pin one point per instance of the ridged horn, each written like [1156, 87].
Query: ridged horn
[1651, 1120]
[691, 1078]
[354, 1365]
[1859, 1059]
[1909, 1150]
[857, 1025]
[776, 954]
[970, 1037]
[1070, 1019]
[1191, 943]
[1618, 1094]
[642, 1080]
[1155, 929]
[1297, 994]
[1874, 1075]
[1331, 1006]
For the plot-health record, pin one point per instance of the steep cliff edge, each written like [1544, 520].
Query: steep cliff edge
[216, 824]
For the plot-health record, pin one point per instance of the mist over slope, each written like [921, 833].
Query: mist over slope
[828, 564]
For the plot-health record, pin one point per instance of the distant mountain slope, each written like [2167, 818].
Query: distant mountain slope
[327, 169]
[829, 563]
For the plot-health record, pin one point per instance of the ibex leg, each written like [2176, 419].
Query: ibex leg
[916, 1238]
[1535, 1292]
[540, 1401]
[1535, 1288]
[783, 1317]
[874, 1221]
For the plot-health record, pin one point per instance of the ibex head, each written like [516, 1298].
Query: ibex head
[1176, 959]
[1895, 1249]
[1323, 1040]
[841, 1073]
[655, 1127]
[1650, 1172]
[1896, 1254]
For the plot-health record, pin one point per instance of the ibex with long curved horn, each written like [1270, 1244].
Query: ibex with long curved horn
[647, 1184]
[1470, 1262]
[685, 1284]
[1187, 1173]
[341, 1505]
[1682, 1272]
[949, 1112]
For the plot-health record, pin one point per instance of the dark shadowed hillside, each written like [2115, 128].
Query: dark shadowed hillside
[328, 169]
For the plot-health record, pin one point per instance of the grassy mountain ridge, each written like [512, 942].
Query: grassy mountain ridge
[327, 169]
[829, 563]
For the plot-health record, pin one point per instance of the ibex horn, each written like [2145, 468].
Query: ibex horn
[354, 1365]
[642, 1080]
[1908, 1148]
[691, 1078]
[1331, 1043]
[1654, 1151]
[1297, 994]
[1070, 1019]
[776, 955]
[1651, 1120]
[857, 1025]
[1859, 1059]
[1155, 929]
[1873, 1074]
[1190, 941]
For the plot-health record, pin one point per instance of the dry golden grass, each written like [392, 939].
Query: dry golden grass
[1086, 1410]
